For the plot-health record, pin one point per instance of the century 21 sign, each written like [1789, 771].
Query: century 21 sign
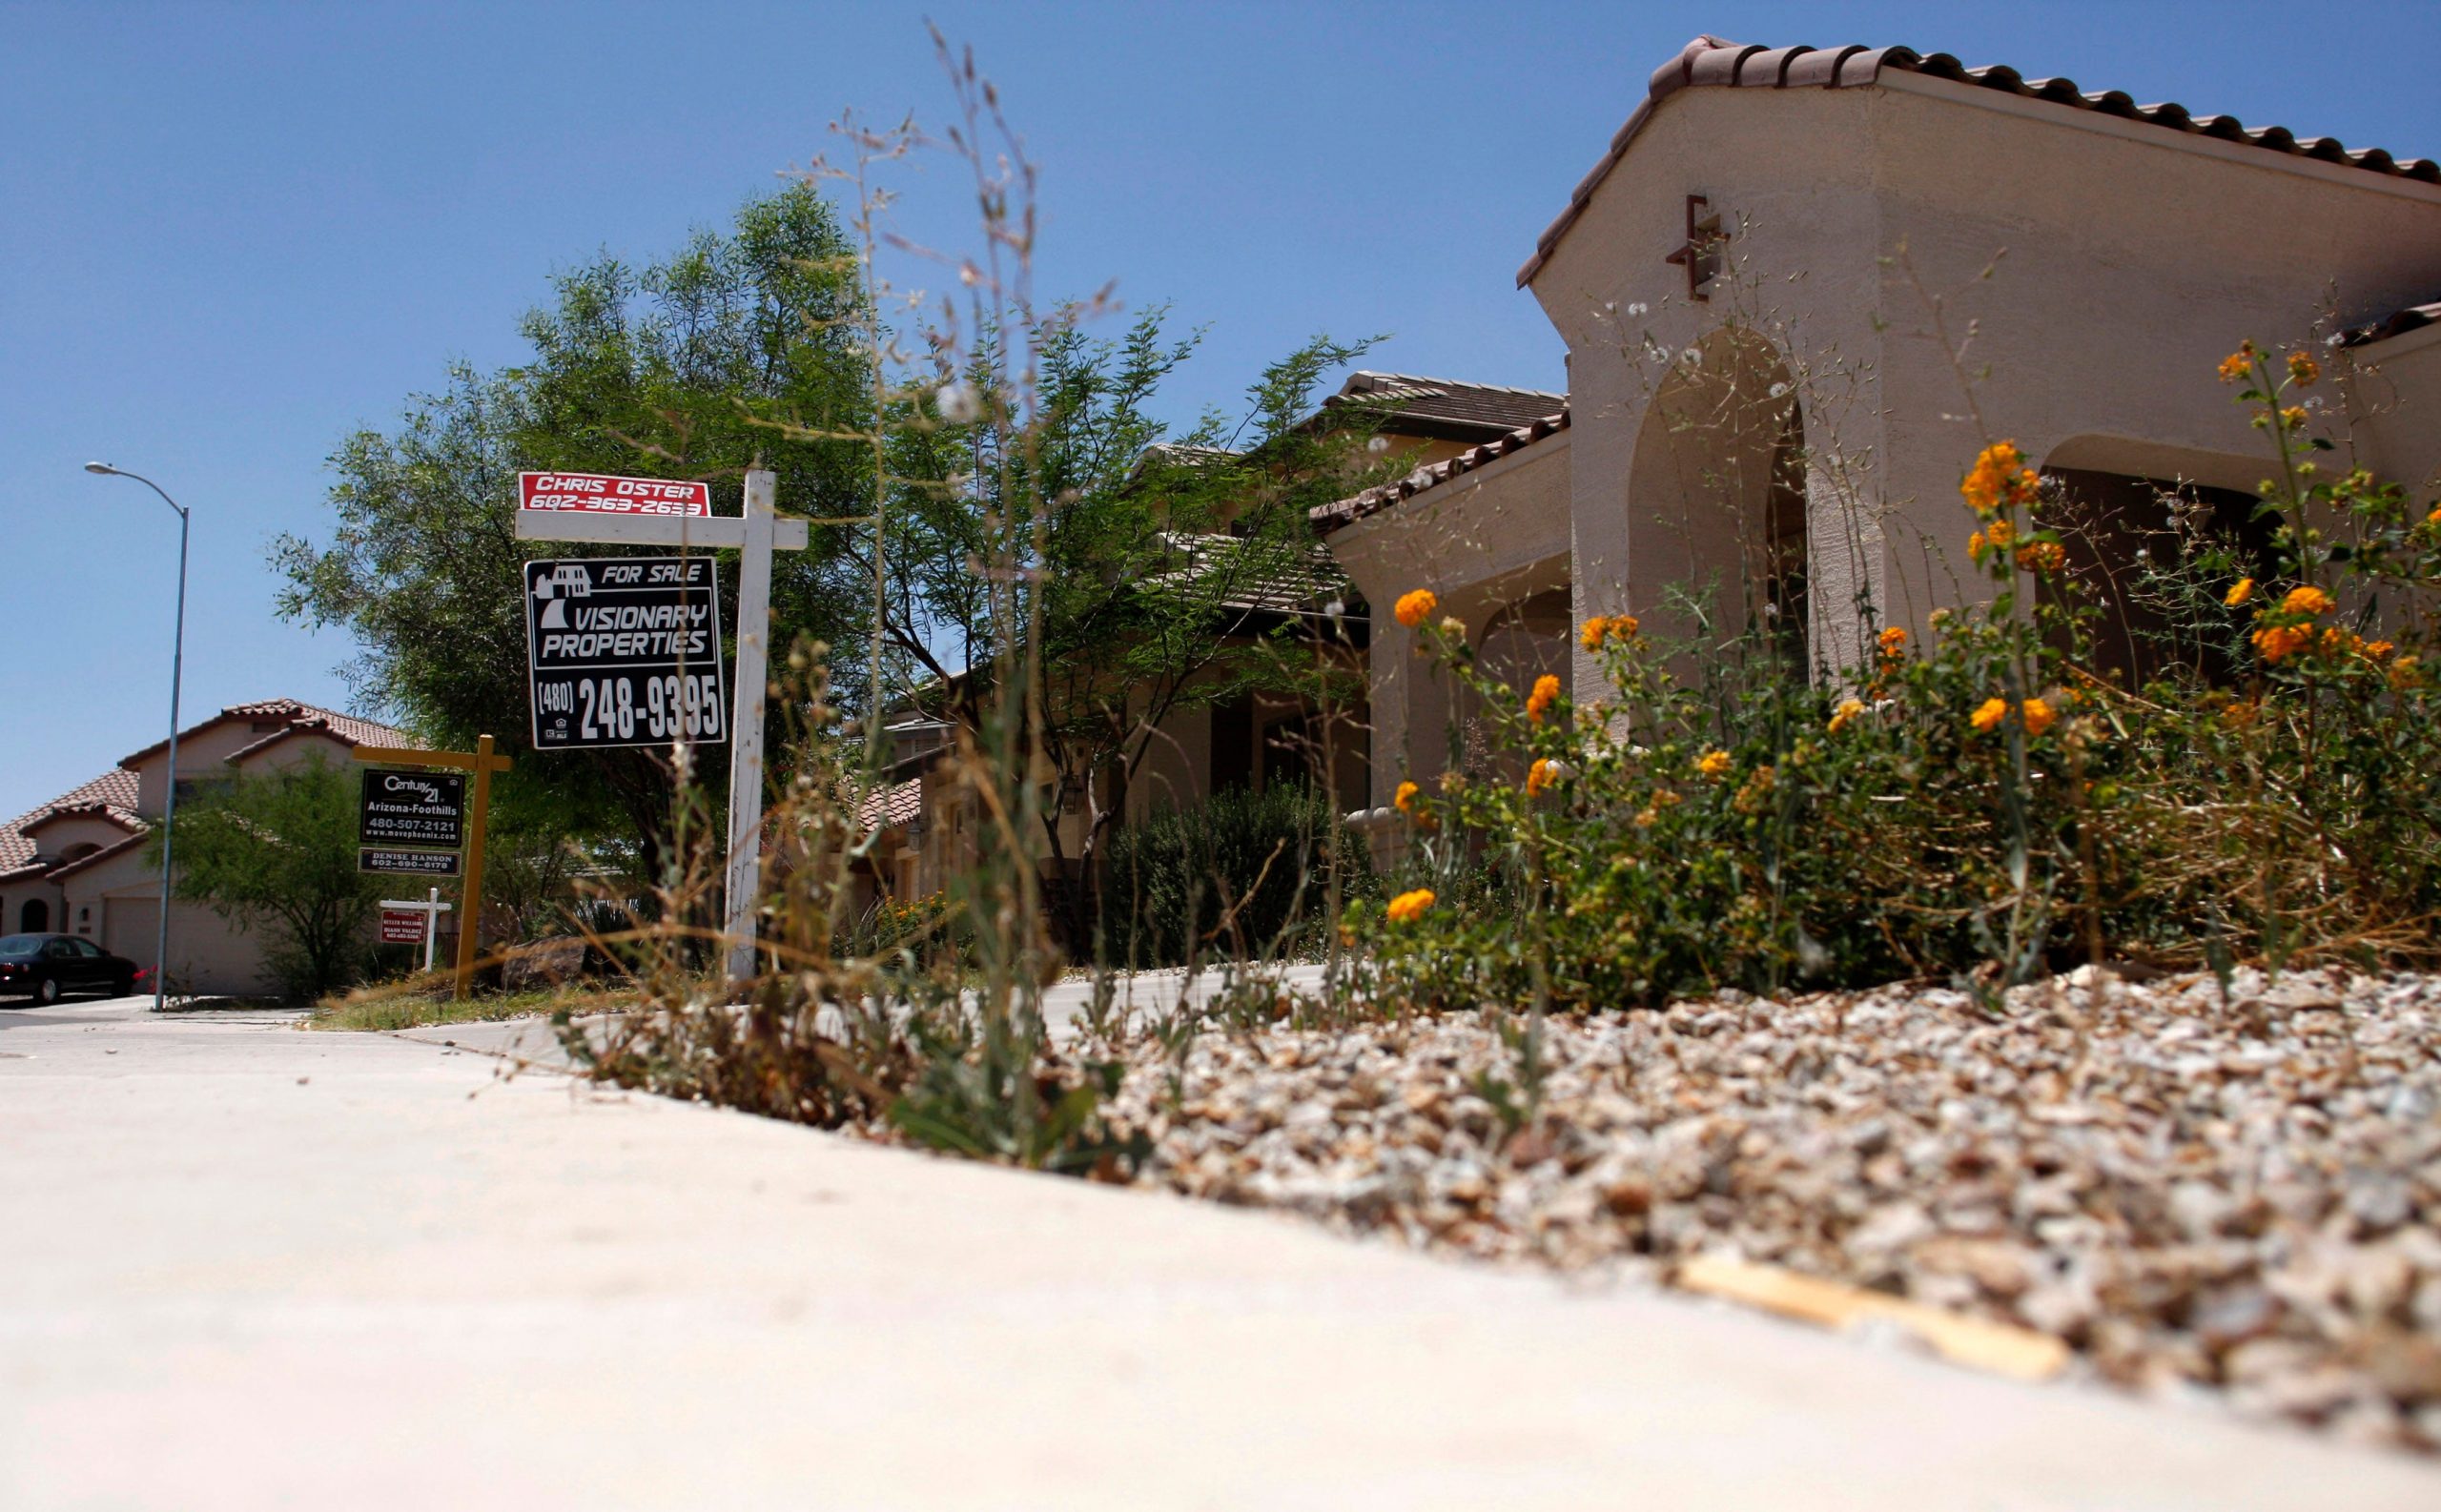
[423, 809]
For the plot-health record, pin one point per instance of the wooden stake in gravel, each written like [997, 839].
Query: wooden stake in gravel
[2019, 1353]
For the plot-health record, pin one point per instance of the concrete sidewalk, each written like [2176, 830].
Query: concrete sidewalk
[253, 1268]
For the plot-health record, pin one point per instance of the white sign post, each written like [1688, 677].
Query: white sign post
[578, 511]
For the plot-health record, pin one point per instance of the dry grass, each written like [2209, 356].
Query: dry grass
[411, 1002]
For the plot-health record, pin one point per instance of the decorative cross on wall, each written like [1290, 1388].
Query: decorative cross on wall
[1701, 256]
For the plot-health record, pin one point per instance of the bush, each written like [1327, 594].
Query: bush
[1242, 873]
[1985, 806]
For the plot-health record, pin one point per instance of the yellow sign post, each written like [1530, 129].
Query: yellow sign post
[483, 763]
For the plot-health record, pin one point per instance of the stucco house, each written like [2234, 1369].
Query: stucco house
[1801, 287]
[78, 864]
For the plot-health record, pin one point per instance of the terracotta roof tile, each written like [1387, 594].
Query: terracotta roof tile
[1330, 517]
[1474, 411]
[1710, 62]
[113, 794]
[348, 726]
[894, 804]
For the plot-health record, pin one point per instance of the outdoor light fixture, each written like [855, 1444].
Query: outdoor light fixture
[178, 660]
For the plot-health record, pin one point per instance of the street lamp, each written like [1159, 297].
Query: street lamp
[178, 660]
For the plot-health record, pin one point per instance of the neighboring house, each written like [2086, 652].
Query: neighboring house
[1764, 393]
[1248, 742]
[78, 864]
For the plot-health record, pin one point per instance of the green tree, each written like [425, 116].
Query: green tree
[276, 852]
[1168, 570]
[677, 369]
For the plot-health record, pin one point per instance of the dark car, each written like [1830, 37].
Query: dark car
[48, 966]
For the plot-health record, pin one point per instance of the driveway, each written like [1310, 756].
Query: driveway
[254, 1268]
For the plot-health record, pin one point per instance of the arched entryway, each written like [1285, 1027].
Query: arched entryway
[1719, 531]
[34, 918]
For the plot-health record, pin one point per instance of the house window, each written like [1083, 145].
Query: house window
[34, 918]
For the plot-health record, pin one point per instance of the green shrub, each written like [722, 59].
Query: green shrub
[1240, 874]
[1985, 806]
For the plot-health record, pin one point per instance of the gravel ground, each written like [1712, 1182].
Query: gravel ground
[2238, 1194]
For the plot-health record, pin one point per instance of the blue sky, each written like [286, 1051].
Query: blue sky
[232, 233]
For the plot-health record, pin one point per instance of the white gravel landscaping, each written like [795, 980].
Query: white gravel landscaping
[2197, 1191]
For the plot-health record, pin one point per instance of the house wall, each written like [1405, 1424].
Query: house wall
[1482, 540]
[16, 895]
[201, 753]
[116, 903]
[2129, 261]
[2395, 396]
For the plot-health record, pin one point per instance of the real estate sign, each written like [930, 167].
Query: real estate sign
[601, 494]
[427, 809]
[625, 651]
[402, 927]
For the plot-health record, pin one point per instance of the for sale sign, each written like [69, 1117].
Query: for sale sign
[402, 927]
[413, 808]
[598, 494]
[625, 651]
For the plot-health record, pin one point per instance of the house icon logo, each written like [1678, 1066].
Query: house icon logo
[568, 581]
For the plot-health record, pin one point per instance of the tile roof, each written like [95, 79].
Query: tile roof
[112, 794]
[1465, 410]
[346, 726]
[1709, 60]
[885, 808]
[1330, 517]
[2414, 317]
[1306, 584]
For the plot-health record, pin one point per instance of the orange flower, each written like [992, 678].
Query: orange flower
[1848, 710]
[1405, 802]
[2036, 714]
[1606, 627]
[1999, 478]
[2277, 642]
[2308, 600]
[2239, 363]
[1539, 776]
[2043, 556]
[2303, 370]
[1714, 764]
[1409, 907]
[2405, 673]
[1547, 692]
[2239, 592]
[2294, 417]
[2378, 650]
[1893, 645]
[1414, 608]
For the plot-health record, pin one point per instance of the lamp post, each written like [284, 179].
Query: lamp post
[177, 661]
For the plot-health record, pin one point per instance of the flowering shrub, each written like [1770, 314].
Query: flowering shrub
[1986, 806]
